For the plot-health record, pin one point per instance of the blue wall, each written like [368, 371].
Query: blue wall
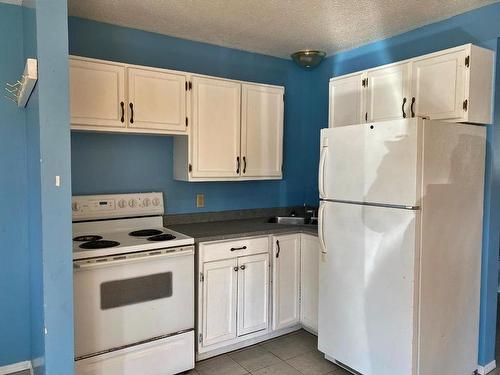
[109, 163]
[33, 250]
[481, 27]
[34, 202]
[14, 283]
[55, 202]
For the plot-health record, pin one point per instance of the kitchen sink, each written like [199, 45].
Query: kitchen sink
[289, 220]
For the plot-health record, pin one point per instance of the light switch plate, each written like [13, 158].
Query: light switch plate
[200, 200]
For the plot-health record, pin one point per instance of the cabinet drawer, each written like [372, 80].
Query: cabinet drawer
[210, 251]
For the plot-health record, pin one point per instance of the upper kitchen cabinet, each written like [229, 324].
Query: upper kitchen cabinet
[453, 85]
[346, 100]
[97, 93]
[236, 132]
[387, 92]
[157, 100]
[261, 130]
[215, 132]
[113, 97]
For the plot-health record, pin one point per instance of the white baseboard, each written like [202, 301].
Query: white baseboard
[16, 367]
[483, 370]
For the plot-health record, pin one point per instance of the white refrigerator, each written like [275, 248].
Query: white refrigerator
[400, 229]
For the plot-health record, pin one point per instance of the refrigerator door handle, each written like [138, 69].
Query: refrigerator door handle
[321, 236]
[322, 162]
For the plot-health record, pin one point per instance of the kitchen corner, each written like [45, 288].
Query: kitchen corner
[188, 190]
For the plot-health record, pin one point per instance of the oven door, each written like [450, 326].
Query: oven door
[127, 299]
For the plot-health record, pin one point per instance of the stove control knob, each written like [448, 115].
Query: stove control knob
[122, 203]
[132, 203]
[156, 202]
[146, 202]
[75, 206]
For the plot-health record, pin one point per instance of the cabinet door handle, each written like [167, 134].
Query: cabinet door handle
[235, 269]
[131, 113]
[122, 105]
[366, 117]
[238, 248]
[403, 107]
[244, 164]
[411, 108]
[238, 165]
[242, 267]
[279, 249]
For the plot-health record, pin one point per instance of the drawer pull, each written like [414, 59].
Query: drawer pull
[238, 248]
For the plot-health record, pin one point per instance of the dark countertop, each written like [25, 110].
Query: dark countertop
[227, 229]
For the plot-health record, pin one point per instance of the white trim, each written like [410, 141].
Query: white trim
[11, 2]
[16, 367]
[483, 370]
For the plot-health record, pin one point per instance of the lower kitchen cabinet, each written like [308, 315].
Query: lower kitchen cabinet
[286, 280]
[309, 281]
[233, 291]
[253, 293]
[220, 288]
[255, 288]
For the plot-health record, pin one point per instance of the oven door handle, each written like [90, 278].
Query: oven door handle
[130, 258]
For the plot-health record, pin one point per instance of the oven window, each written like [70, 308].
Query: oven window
[125, 292]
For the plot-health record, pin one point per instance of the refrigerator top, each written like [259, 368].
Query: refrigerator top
[375, 163]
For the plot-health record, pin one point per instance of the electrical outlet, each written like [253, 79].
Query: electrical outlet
[200, 200]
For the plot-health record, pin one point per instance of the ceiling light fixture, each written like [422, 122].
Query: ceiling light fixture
[307, 58]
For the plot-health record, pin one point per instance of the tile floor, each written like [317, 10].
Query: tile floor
[293, 354]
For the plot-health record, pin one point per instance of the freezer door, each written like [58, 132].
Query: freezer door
[377, 163]
[366, 287]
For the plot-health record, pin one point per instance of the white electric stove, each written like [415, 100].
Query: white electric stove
[133, 287]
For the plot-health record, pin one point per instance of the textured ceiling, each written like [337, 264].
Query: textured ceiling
[274, 27]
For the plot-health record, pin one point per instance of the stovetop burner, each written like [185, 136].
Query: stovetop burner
[162, 237]
[99, 244]
[145, 233]
[87, 238]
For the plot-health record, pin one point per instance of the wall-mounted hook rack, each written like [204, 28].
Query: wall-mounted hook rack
[20, 91]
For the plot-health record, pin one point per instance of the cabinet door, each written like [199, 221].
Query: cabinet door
[387, 93]
[438, 85]
[97, 94]
[286, 280]
[261, 131]
[253, 293]
[157, 99]
[216, 128]
[346, 100]
[309, 281]
[219, 301]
